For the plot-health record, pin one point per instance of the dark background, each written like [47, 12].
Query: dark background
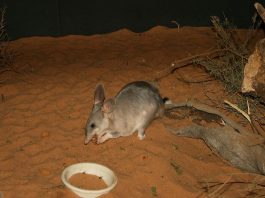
[86, 17]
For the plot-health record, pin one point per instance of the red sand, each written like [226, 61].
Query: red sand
[44, 110]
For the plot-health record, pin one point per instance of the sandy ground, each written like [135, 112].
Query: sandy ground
[45, 107]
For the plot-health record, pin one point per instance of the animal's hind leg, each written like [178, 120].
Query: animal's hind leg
[141, 128]
[141, 133]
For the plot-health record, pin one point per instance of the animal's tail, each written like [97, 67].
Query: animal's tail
[169, 112]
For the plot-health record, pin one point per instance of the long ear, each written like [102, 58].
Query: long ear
[108, 106]
[99, 96]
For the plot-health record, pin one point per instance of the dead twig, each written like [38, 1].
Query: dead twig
[190, 60]
[5, 70]
[220, 187]
[187, 61]
[196, 81]
[185, 80]
[238, 109]
[208, 185]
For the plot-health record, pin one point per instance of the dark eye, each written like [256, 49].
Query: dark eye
[92, 125]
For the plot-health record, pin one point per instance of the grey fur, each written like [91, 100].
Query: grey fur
[131, 110]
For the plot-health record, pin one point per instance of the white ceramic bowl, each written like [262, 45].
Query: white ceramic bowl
[89, 168]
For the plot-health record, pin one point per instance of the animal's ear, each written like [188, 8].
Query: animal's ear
[99, 96]
[108, 106]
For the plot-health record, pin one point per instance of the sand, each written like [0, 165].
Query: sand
[44, 109]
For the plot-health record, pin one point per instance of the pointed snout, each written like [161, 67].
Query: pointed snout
[88, 136]
[86, 141]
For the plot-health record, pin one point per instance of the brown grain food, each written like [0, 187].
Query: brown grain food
[87, 181]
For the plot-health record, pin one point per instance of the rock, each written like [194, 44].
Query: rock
[254, 72]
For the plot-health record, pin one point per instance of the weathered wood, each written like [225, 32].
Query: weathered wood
[203, 107]
[254, 71]
[231, 146]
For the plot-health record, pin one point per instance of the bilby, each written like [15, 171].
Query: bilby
[131, 110]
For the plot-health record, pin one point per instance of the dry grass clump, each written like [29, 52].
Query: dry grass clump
[244, 184]
[6, 54]
[229, 66]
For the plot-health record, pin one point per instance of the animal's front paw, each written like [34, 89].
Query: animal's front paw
[100, 140]
[106, 136]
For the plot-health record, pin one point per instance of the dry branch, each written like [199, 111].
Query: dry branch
[190, 60]
[187, 61]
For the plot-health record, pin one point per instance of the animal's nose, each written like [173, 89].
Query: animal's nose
[86, 140]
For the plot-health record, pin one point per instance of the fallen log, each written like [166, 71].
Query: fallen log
[232, 142]
[231, 146]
